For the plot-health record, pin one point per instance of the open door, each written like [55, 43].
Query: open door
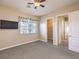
[50, 30]
[74, 31]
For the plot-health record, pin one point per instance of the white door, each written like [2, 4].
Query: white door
[74, 31]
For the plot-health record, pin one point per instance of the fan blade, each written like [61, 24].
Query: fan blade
[42, 5]
[42, 0]
[39, 0]
[35, 7]
[30, 3]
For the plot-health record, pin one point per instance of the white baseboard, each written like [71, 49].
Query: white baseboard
[44, 41]
[18, 45]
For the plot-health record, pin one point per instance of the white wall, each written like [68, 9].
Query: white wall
[54, 14]
[12, 37]
[43, 30]
[0, 2]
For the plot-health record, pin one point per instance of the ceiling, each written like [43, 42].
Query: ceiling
[50, 5]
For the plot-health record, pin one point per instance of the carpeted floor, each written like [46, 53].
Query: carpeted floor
[38, 50]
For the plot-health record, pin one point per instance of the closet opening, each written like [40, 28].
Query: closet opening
[63, 29]
[50, 30]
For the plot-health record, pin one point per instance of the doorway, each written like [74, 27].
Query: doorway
[63, 30]
[50, 30]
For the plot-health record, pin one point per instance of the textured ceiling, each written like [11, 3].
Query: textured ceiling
[50, 5]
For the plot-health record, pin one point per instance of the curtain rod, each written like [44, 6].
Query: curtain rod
[20, 17]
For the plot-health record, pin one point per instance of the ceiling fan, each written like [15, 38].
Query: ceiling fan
[37, 3]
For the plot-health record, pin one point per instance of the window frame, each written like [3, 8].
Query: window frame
[33, 21]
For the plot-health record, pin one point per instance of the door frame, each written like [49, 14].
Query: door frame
[58, 40]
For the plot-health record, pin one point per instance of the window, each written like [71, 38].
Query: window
[27, 26]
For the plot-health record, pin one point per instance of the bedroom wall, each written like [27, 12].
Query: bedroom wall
[53, 15]
[12, 37]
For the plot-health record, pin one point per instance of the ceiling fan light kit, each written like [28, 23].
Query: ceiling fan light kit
[37, 3]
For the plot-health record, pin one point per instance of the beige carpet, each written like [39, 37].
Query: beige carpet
[38, 50]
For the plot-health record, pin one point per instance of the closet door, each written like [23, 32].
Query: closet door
[74, 31]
